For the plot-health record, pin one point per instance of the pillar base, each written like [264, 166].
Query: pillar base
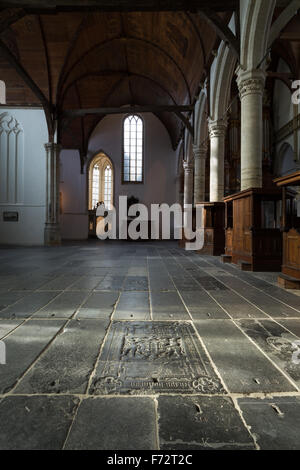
[52, 236]
[288, 282]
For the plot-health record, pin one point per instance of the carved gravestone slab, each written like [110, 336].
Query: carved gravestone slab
[154, 357]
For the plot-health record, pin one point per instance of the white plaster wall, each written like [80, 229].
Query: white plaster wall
[74, 218]
[29, 230]
[160, 171]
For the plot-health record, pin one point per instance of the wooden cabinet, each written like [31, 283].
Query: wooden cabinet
[290, 270]
[214, 228]
[252, 230]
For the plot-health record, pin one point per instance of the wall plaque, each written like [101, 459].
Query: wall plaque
[10, 216]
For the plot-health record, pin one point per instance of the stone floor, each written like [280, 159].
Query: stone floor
[145, 346]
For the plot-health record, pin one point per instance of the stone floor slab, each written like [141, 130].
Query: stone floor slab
[133, 306]
[136, 283]
[168, 306]
[160, 280]
[60, 283]
[35, 423]
[201, 306]
[274, 422]
[6, 326]
[99, 305]
[271, 307]
[23, 347]
[10, 298]
[237, 306]
[114, 424]
[201, 423]
[58, 371]
[278, 343]
[28, 305]
[86, 283]
[111, 282]
[63, 306]
[242, 366]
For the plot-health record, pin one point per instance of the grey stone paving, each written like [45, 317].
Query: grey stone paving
[145, 346]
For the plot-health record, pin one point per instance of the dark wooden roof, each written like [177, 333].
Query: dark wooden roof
[95, 59]
[122, 5]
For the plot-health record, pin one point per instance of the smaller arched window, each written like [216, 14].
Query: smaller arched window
[101, 181]
[133, 149]
[107, 186]
[96, 185]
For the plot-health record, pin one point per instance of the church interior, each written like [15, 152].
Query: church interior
[146, 344]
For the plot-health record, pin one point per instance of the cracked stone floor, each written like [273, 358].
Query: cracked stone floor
[145, 346]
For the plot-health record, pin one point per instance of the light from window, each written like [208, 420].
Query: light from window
[107, 186]
[133, 149]
[101, 182]
[95, 185]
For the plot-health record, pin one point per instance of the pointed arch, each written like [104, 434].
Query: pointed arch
[101, 181]
[256, 18]
[201, 127]
[221, 82]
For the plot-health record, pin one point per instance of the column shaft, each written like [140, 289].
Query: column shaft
[52, 226]
[188, 183]
[199, 173]
[217, 132]
[251, 86]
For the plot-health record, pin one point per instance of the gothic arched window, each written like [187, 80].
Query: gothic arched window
[133, 143]
[101, 181]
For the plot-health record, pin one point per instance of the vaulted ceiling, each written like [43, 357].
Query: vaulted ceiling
[82, 54]
[91, 59]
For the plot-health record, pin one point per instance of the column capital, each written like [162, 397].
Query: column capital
[251, 82]
[188, 167]
[217, 128]
[200, 151]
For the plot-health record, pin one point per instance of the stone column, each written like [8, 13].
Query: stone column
[200, 153]
[217, 133]
[188, 183]
[52, 235]
[251, 86]
[188, 169]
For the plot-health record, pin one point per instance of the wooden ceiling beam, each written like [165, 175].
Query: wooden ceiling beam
[223, 31]
[120, 5]
[186, 122]
[10, 16]
[9, 56]
[126, 110]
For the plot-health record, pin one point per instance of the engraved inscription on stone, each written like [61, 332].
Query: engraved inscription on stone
[152, 348]
[154, 357]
